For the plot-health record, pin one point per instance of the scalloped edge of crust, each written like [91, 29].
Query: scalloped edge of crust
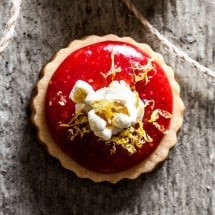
[149, 164]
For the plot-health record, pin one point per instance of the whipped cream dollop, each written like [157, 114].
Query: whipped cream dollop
[109, 109]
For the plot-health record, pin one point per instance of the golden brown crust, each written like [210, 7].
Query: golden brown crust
[161, 152]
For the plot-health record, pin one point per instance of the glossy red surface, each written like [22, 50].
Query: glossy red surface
[87, 64]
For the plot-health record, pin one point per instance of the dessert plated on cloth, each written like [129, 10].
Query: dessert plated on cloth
[108, 108]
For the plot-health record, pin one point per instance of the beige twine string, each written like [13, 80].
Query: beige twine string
[10, 26]
[208, 73]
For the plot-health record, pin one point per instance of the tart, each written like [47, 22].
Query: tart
[107, 108]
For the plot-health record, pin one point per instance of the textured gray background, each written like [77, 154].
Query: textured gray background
[32, 182]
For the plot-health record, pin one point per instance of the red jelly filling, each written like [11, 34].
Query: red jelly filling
[90, 64]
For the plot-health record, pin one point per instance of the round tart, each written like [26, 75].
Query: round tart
[108, 108]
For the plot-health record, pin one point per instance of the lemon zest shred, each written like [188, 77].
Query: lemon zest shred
[161, 128]
[113, 69]
[156, 115]
[140, 72]
[150, 103]
[78, 125]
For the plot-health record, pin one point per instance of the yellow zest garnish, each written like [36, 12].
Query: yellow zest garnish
[150, 103]
[141, 72]
[78, 125]
[161, 128]
[155, 116]
[158, 112]
[113, 69]
[129, 138]
[108, 109]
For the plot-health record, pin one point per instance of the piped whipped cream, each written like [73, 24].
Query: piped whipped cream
[109, 109]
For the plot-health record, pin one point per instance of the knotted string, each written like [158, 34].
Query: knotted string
[208, 73]
[10, 26]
